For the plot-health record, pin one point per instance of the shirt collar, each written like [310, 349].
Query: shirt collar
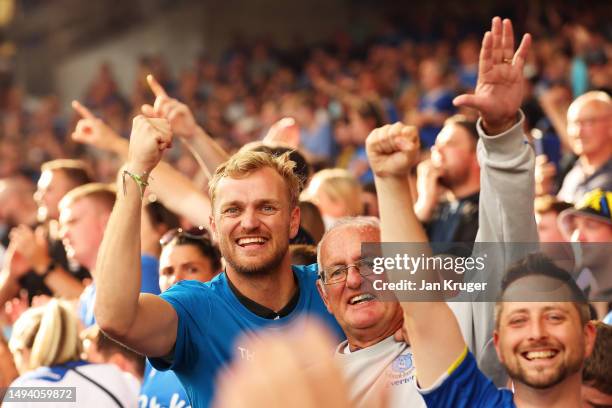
[261, 310]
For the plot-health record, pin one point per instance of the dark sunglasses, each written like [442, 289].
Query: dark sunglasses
[195, 233]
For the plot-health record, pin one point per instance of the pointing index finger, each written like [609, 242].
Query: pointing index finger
[157, 89]
[82, 110]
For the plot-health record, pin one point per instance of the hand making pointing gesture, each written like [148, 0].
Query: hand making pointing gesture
[178, 114]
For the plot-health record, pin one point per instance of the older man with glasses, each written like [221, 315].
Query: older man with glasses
[370, 357]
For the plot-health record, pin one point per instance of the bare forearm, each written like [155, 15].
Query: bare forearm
[9, 287]
[395, 198]
[8, 371]
[208, 150]
[424, 209]
[179, 194]
[118, 272]
[421, 319]
[64, 285]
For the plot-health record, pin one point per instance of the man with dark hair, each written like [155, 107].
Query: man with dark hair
[596, 378]
[541, 342]
[453, 166]
[547, 210]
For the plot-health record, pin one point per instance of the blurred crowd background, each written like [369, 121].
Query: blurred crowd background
[406, 61]
[340, 69]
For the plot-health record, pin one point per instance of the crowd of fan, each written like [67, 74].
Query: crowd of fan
[323, 101]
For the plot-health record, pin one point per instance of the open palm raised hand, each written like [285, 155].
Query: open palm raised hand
[499, 91]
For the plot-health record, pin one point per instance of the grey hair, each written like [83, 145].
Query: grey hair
[359, 222]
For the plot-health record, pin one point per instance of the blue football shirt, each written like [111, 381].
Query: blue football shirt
[162, 389]
[211, 325]
[465, 386]
[149, 284]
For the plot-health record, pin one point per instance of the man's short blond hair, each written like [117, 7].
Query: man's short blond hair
[60, 164]
[101, 193]
[77, 171]
[244, 163]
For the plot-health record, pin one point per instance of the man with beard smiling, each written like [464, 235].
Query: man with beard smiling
[195, 328]
[371, 358]
[542, 333]
[542, 336]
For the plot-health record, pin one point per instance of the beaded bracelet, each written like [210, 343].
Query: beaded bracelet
[140, 180]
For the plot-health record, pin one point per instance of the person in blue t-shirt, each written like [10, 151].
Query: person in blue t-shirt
[186, 255]
[542, 331]
[196, 328]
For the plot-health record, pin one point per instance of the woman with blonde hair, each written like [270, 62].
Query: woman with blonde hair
[336, 192]
[47, 351]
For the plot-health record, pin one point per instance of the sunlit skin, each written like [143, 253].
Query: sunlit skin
[257, 208]
[587, 229]
[454, 155]
[52, 186]
[82, 227]
[363, 323]
[593, 398]
[589, 126]
[183, 262]
[542, 344]
[548, 230]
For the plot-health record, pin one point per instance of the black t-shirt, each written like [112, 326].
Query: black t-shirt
[34, 283]
[455, 221]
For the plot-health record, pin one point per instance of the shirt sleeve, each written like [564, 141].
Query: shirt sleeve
[465, 386]
[150, 275]
[191, 302]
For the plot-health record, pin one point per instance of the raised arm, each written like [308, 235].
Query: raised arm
[143, 322]
[33, 247]
[172, 188]
[206, 151]
[507, 183]
[434, 334]
[8, 371]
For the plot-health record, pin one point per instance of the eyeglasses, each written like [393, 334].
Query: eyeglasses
[196, 233]
[338, 274]
[589, 121]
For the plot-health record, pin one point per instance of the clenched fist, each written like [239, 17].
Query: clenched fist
[393, 149]
[149, 139]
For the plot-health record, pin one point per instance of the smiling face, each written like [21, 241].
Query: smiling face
[82, 227]
[253, 222]
[353, 302]
[541, 344]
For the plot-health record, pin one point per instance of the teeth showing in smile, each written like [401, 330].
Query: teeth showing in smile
[251, 240]
[536, 355]
[361, 298]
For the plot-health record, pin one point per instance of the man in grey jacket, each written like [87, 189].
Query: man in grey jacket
[370, 357]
